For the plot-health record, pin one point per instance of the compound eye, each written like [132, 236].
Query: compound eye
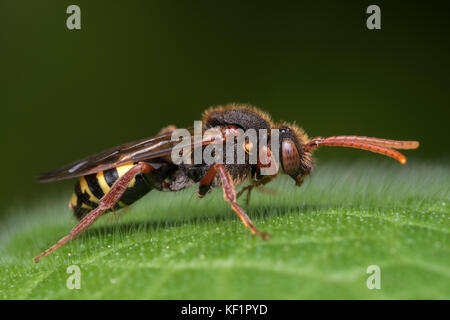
[290, 157]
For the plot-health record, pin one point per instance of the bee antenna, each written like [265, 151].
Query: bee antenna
[381, 146]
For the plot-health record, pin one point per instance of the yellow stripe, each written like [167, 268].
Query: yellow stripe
[103, 185]
[123, 169]
[85, 206]
[102, 182]
[85, 189]
[73, 201]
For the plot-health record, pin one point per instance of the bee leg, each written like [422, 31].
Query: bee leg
[259, 180]
[106, 202]
[206, 182]
[117, 213]
[247, 189]
[249, 195]
[114, 213]
[267, 190]
[229, 194]
[255, 184]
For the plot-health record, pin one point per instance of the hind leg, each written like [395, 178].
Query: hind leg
[106, 203]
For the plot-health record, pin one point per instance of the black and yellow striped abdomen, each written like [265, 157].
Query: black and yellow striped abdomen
[90, 189]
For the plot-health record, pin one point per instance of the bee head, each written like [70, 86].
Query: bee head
[295, 160]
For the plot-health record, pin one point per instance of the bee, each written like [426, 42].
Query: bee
[116, 178]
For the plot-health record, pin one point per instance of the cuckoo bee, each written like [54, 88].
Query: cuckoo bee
[117, 177]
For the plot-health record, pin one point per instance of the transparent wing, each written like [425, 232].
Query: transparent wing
[160, 146]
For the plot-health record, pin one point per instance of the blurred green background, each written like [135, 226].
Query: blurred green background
[136, 66]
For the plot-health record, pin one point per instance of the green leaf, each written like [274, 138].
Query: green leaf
[324, 236]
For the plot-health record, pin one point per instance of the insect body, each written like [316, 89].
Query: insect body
[117, 177]
[90, 189]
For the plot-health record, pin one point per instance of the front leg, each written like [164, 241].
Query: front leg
[266, 155]
[229, 194]
[254, 184]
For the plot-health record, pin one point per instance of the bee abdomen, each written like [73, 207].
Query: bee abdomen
[91, 188]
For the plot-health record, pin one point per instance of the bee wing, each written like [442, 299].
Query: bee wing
[151, 148]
